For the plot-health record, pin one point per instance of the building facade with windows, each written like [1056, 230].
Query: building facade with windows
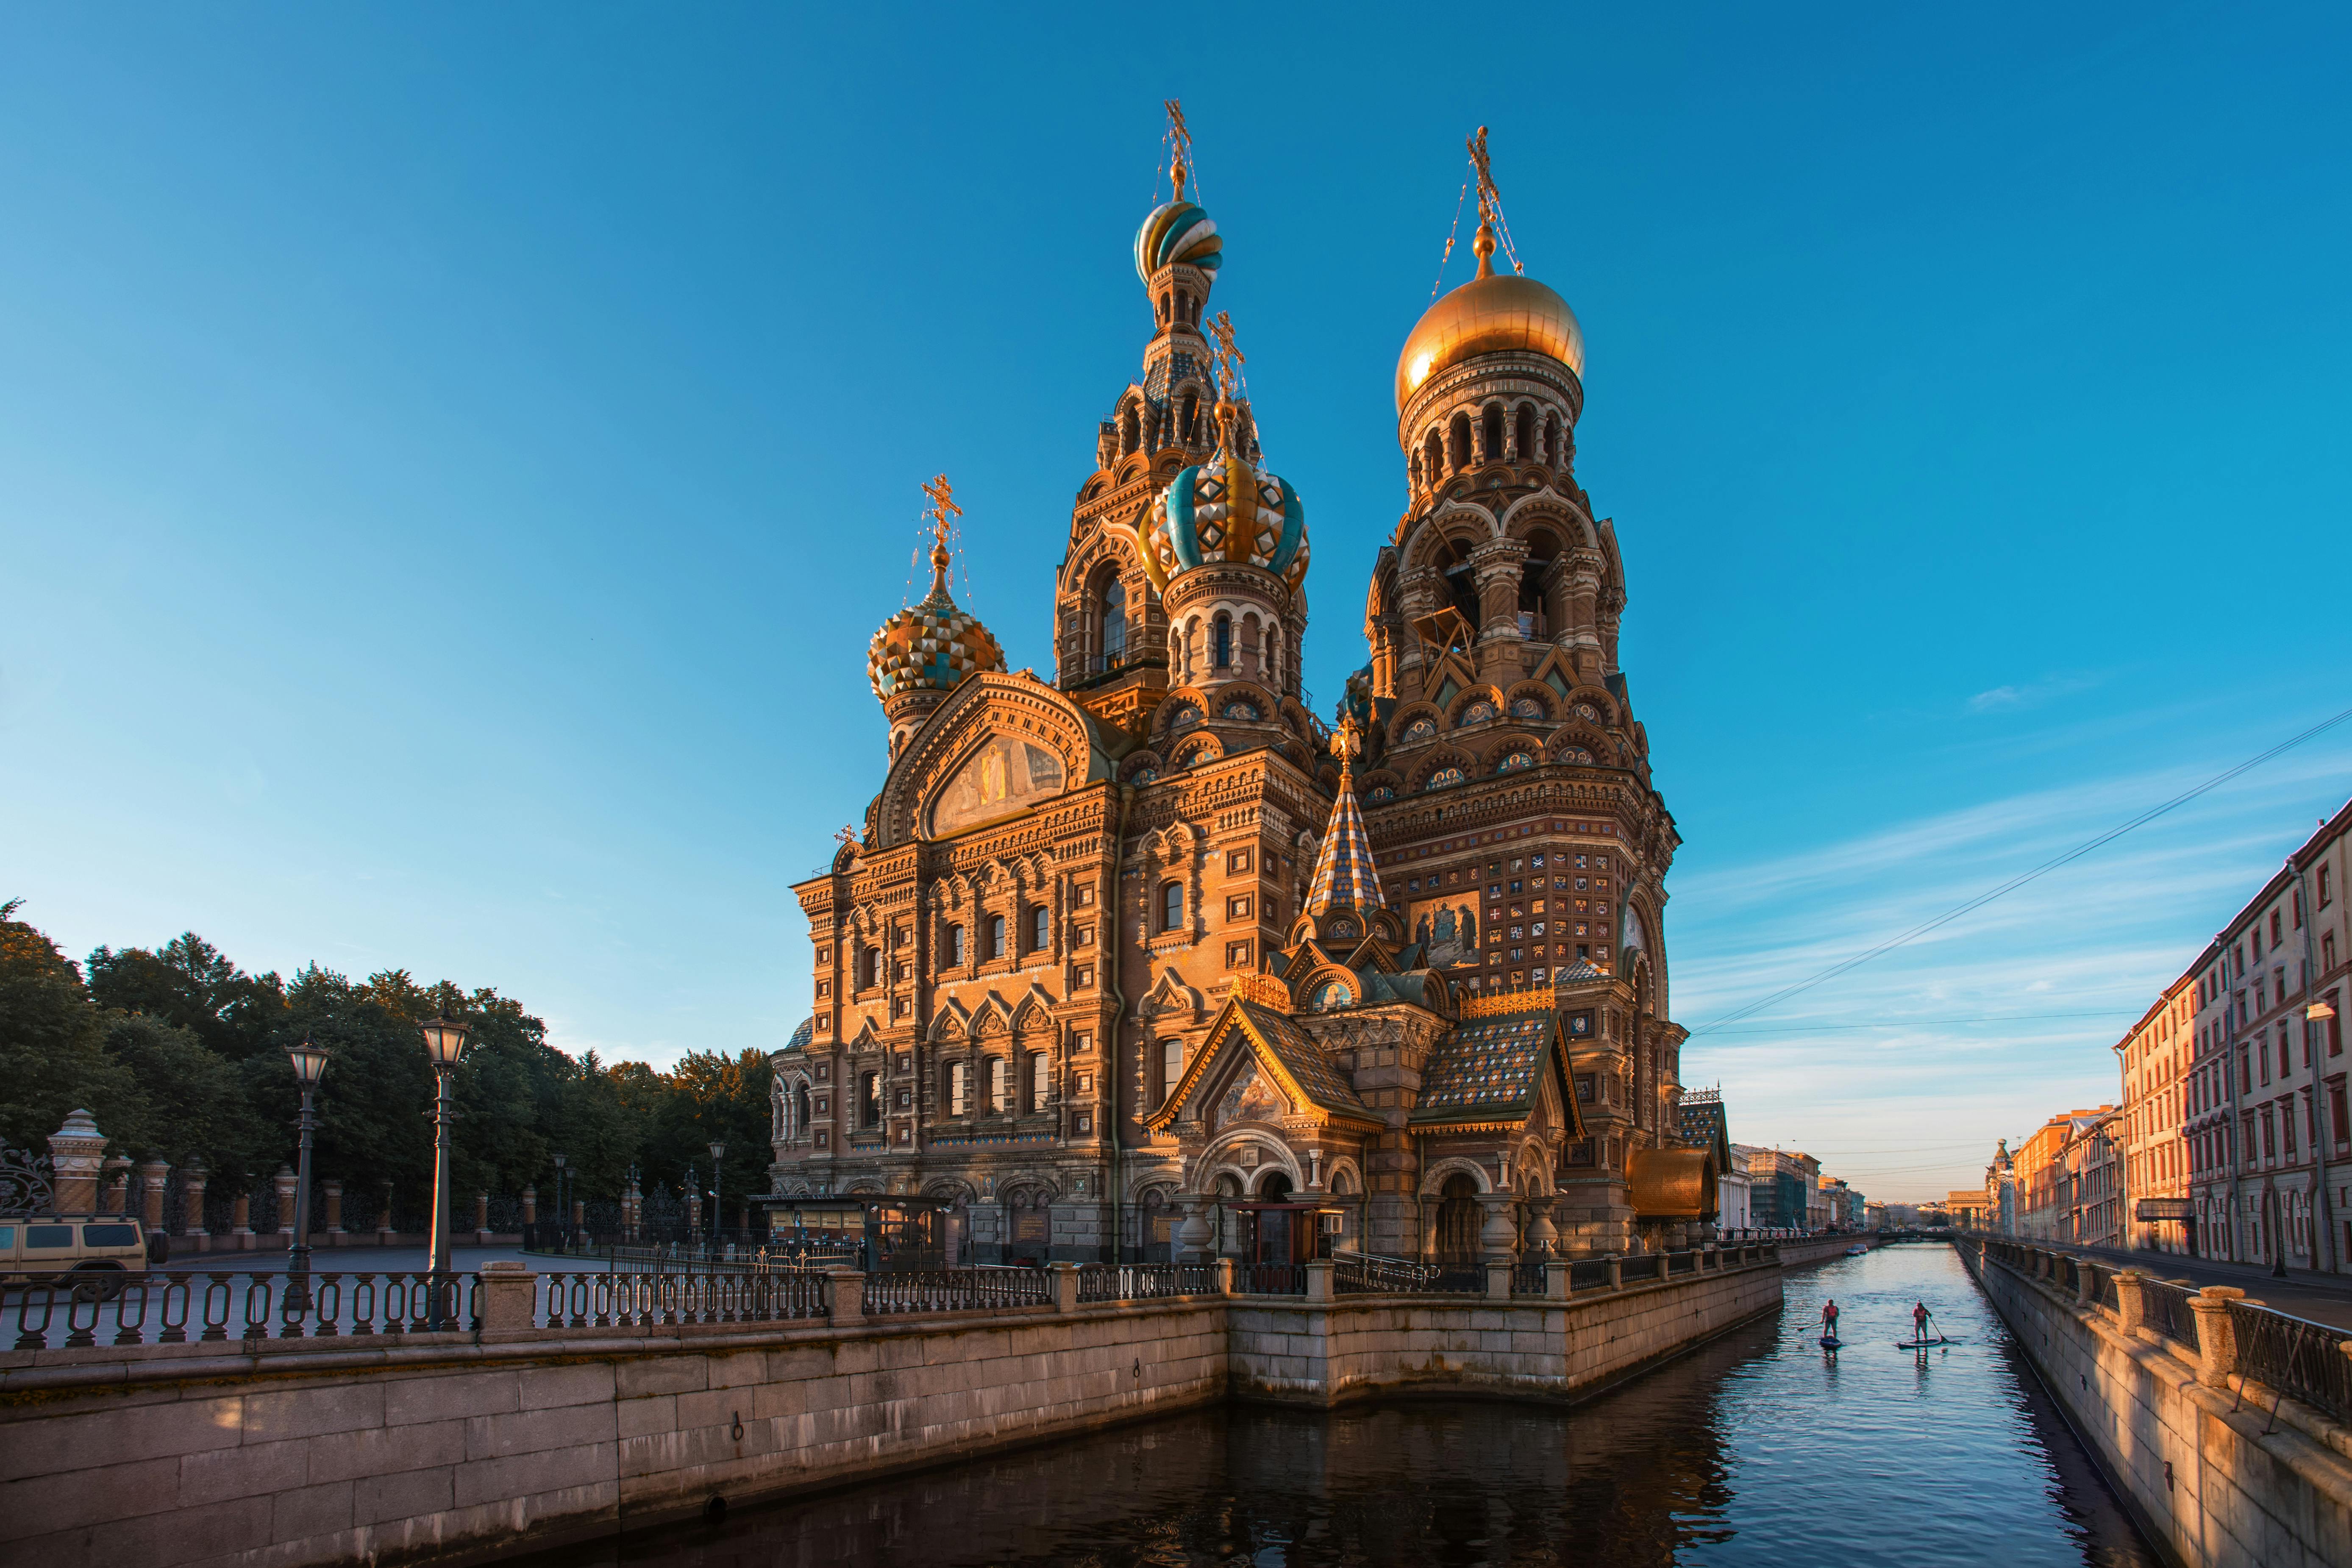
[1119, 946]
[2268, 1130]
[2153, 1058]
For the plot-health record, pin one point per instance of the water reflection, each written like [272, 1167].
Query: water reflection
[1756, 1448]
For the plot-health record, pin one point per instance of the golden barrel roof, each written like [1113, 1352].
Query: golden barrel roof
[1492, 314]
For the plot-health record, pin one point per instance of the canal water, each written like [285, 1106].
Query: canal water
[1757, 1449]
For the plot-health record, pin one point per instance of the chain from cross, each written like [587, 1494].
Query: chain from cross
[943, 507]
[1229, 359]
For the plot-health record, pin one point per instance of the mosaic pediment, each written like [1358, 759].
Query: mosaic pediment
[1007, 774]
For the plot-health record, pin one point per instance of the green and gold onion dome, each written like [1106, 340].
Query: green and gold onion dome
[932, 646]
[1226, 511]
[1495, 312]
[1177, 230]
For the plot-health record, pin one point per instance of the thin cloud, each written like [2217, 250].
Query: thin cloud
[2029, 696]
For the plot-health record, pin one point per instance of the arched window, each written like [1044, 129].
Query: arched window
[800, 1111]
[1432, 457]
[1551, 440]
[1130, 431]
[1526, 434]
[869, 966]
[1172, 1066]
[870, 1100]
[1189, 420]
[1458, 434]
[1114, 622]
[1222, 646]
[1461, 580]
[1457, 1222]
[959, 1088]
[999, 1096]
[1172, 906]
[996, 937]
[1490, 427]
[955, 945]
[1037, 1081]
[1041, 928]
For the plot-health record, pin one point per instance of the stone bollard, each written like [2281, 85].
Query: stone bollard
[333, 1192]
[1616, 1271]
[240, 1222]
[2086, 1282]
[845, 1295]
[481, 1219]
[1224, 1266]
[2216, 1337]
[192, 1190]
[1555, 1280]
[77, 1149]
[2131, 1305]
[284, 1183]
[1319, 1279]
[1066, 1286]
[510, 1299]
[1499, 1281]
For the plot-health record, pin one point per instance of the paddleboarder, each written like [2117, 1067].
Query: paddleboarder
[1919, 1323]
[1829, 1321]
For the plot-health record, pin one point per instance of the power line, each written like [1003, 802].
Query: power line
[2021, 880]
[1924, 1023]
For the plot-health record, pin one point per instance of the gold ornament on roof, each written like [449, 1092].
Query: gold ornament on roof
[1347, 742]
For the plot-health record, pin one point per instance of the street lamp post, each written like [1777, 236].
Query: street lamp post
[562, 1207]
[309, 1064]
[445, 1041]
[717, 1207]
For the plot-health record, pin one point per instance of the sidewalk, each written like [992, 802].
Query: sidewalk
[2321, 1298]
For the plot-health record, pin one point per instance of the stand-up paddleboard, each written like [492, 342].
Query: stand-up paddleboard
[1926, 1344]
[1829, 1345]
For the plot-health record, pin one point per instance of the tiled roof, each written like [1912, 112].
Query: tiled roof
[1302, 1058]
[1486, 1066]
[803, 1034]
[1344, 874]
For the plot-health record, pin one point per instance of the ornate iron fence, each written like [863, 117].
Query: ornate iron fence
[2165, 1308]
[1145, 1281]
[957, 1289]
[1366, 1274]
[2294, 1356]
[1270, 1278]
[651, 1298]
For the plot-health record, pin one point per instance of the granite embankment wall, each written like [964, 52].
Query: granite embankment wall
[1819, 1248]
[2210, 1473]
[280, 1453]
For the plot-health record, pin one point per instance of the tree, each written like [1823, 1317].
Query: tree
[53, 1054]
[188, 982]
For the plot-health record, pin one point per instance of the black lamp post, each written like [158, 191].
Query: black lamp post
[718, 1211]
[445, 1041]
[562, 1207]
[310, 1065]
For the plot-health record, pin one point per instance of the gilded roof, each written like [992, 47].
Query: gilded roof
[1492, 314]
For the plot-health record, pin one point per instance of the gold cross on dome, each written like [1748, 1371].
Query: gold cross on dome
[847, 838]
[1229, 358]
[1489, 198]
[943, 507]
[1347, 741]
[1179, 144]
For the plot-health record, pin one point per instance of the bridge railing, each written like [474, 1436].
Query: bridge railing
[2302, 1359]
[1147, 1281]
[648, 1298]
[957, 1289]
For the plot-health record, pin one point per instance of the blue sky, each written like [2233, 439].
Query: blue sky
[452, 459]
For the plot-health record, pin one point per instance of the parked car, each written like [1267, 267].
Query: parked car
[94, 1254]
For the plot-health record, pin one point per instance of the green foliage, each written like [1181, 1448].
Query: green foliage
[179, 1053]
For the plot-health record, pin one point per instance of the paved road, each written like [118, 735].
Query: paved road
[2302, 1293]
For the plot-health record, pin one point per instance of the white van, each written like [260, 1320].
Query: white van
[94, 1254]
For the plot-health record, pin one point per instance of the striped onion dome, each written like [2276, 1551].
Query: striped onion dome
[1229, 510]
[932, 646]
[1177, 231]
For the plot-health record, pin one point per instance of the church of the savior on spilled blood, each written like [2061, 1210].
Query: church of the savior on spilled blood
[1149, 960]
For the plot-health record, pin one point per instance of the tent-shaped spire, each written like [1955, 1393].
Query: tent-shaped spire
[1345, 876]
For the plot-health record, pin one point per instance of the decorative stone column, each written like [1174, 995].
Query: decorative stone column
[481, 1219]
[580, 1216]
[1498, 1237]
[77, 1149]
[2087, 1281]
[509, 1297]
[2216, 1337]
[153, 1174]
[284, 1182]
[240, 1222]
[191, 1191]
[385, 1233]
[116, 1199]
[531, 1205]
[1195, 1243]
[334, 1195]
[1541, 1237]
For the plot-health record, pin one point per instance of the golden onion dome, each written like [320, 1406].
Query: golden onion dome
[1495, 312]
